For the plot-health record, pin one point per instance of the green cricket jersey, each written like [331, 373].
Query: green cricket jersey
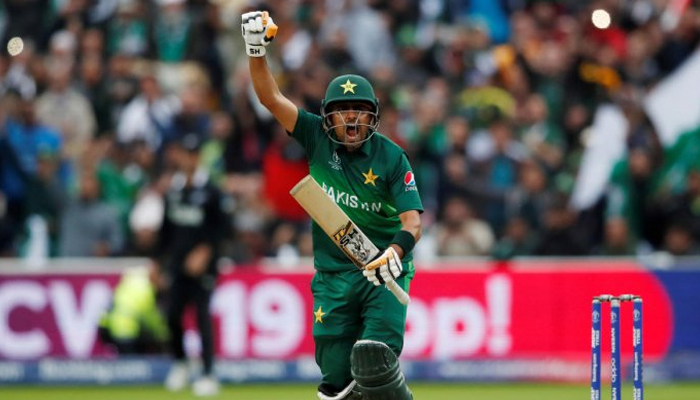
[373, 185]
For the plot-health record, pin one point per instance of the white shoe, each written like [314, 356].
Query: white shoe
[205, 386]
[178, 377]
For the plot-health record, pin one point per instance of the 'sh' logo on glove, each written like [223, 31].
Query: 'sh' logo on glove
[258, 30]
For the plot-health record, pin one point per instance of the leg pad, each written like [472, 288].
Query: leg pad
[326, 392]
[376, 370]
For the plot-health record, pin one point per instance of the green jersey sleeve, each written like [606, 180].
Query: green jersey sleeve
[402, 183]
[307, 130]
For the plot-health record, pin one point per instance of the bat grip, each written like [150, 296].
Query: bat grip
[399, 293]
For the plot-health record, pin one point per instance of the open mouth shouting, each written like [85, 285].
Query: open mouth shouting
[352, 132]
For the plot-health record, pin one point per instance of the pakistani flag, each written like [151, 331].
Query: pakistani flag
[674, 108]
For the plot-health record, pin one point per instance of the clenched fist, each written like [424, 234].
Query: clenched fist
[258, 30]
[384, 268]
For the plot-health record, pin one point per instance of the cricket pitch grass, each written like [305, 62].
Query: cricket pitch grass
[421, 391]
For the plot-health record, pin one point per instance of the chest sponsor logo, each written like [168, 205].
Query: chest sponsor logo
[351, 200]
[409, 181]
[334, 162]
[186, 215]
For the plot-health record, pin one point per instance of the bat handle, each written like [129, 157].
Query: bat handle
[399, 293]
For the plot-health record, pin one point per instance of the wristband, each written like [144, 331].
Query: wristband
[405, 240]
[255, 51]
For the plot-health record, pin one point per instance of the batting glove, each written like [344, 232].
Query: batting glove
[258, 30]
[384, 268]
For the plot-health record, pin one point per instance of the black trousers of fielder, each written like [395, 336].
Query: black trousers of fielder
[184, 291]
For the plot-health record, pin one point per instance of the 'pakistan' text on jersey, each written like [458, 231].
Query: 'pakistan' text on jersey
[373, 185]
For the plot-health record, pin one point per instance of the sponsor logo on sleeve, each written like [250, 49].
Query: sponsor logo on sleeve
[409, 181]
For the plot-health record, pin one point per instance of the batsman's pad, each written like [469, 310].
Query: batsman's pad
[375, 368]
[348, 393]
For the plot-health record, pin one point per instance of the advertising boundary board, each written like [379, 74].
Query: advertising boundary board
[152, 370]
[527, 322]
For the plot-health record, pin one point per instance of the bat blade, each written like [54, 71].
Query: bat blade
[339, 227]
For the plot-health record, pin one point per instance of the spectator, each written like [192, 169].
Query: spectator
[217, 148]
[121, 84]
[640, 132]
[284, 164]
[518, 240]
[24, 138]
[617, 240]
[128, 31]
[499, 169]
[365, 28]
[542, 136]
[93, 85]
[683, 206]
[204, 45]
[633, 184]
[149, 116]
[559, 235]
[192, 116]
[638, 67]
[334, 51]
[414, 66]
[461, 233]
[246, 148]
[678, 241]
[120, 177]
[46, 196]
[531, 198]
[171, 31]
[90, 227]
[61, 105]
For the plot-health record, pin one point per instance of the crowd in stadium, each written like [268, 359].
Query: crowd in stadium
[492, 101]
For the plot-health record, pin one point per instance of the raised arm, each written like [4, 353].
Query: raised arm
[258, 31]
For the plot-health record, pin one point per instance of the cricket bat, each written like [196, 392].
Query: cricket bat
[340, 228]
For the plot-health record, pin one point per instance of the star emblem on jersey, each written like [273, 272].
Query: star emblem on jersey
[370, 177]
[318, 315]
[348, 87]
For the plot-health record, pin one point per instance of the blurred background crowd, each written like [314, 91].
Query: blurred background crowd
[492, 100]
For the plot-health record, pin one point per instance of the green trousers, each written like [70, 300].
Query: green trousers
[348, 308]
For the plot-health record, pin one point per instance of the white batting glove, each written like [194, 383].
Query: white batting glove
[384, 268]
[258, 30]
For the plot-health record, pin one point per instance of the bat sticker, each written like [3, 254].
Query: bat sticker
[352, 243]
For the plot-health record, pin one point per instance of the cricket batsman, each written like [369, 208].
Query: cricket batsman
[358, 325]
